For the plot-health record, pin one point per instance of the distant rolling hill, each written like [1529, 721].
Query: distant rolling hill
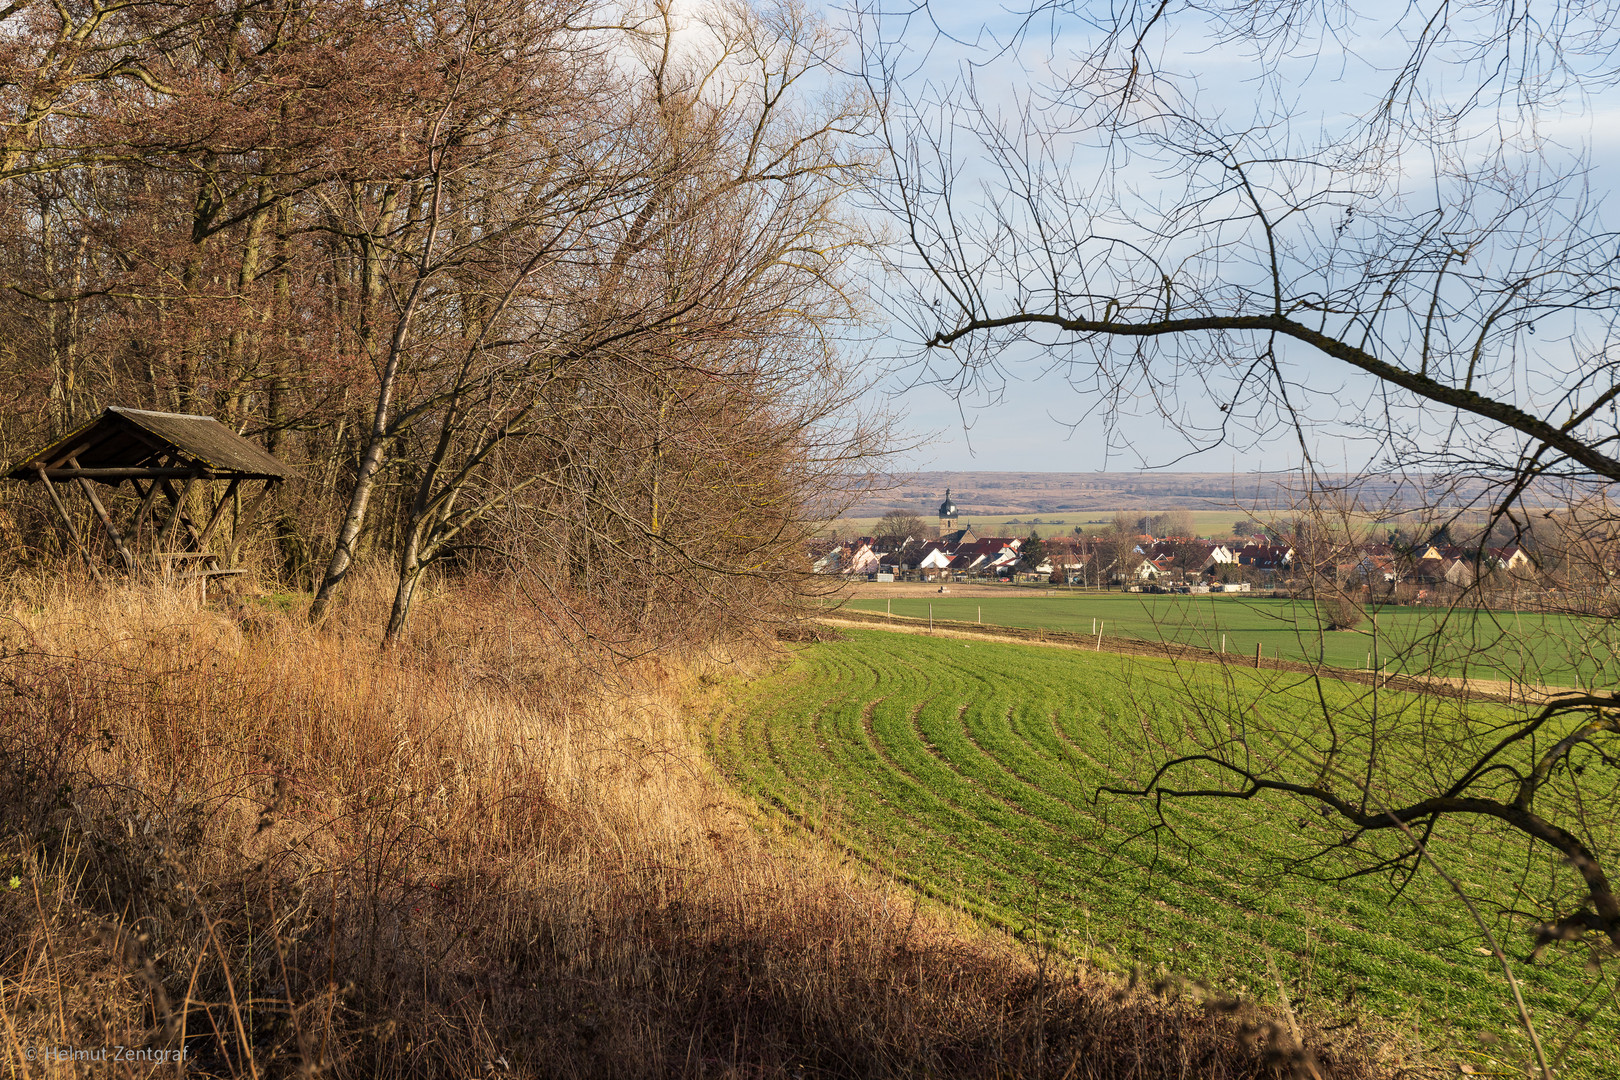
[990, 493]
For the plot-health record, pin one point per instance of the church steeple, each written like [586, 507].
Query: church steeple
[947, 514]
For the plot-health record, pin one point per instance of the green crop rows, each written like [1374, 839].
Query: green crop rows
[971, 769]
[1530, 647]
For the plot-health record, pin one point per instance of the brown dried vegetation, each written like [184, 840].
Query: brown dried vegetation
[231, 834]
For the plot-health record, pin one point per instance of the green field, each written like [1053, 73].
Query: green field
[971, 769]
[1541, 649]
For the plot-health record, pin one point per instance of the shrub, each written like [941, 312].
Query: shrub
[1335, 611]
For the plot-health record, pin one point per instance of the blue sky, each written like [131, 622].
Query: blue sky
[1033, 419]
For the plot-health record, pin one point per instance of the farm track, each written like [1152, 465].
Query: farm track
[1169, 650]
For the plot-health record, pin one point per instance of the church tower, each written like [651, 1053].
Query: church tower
[947, 515]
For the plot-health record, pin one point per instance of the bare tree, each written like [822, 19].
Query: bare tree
[183, 257]
[1115, 548]
[687, 273]
[898, 526]
[470, 265]
[1430, 275]
[1214, 268]
[435, 229]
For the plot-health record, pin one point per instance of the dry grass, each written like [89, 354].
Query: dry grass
[277, 852]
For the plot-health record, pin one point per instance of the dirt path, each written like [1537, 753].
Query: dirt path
[1468, 690]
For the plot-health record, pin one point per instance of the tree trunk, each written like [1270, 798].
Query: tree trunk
[343, 550]
[411, 569]
[371, 460]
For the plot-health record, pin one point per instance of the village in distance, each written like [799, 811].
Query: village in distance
[1166, 532]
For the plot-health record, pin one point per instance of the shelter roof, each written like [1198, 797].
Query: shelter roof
[129, 439]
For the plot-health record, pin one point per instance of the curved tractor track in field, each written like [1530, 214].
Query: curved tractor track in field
[969, 769]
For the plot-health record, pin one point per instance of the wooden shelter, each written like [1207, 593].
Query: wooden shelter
[155, 451]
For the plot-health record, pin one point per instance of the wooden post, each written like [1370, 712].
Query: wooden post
[246, 520]
[56, 501]
[930, 616]
[106, 521]
[219, 512]
[1223, 644]
[75, 452]
[981, 615]
[147, 498]
[1257, 647]
[67, 519]
[178, 502]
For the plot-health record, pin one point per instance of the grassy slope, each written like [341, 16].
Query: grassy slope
[480, 853]
[1549, 649]
[971, 769]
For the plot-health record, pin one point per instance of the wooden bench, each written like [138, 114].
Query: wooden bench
[200, 574]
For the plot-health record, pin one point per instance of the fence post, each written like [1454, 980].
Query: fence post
[930, 616]
[1257, 647]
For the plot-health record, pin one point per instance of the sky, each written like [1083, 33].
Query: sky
[1033, 419]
